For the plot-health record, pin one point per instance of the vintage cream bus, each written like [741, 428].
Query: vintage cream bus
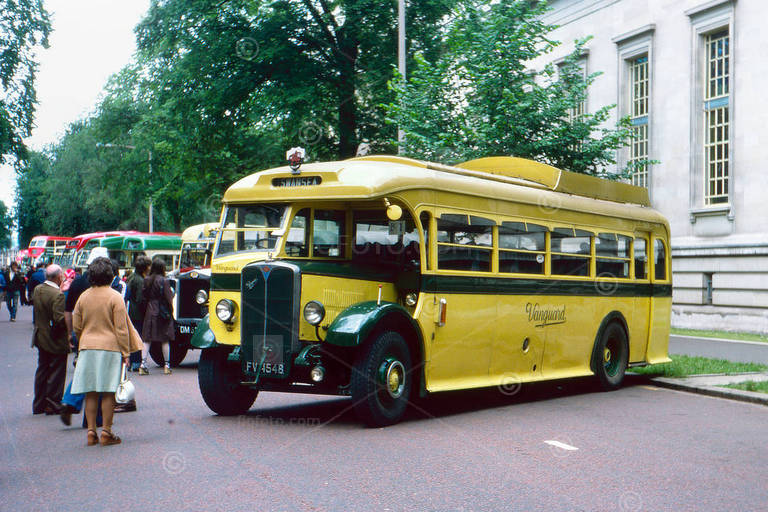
[383, 277]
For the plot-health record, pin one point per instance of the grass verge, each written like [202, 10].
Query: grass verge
[750, 385]
[741, 336]
[683, 366]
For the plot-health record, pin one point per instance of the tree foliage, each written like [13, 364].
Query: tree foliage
[6, 226]
[220, 89]
[480, 98]
[24, 27]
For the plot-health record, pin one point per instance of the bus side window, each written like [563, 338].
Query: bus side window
[464, 242]
[641, 262]
[424, 218]
[328, 233]
[659, 260]
[296, 244]
[522, 248]
[571, 252]
[612, 251]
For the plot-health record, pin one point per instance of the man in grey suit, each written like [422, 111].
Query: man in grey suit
[50, 338]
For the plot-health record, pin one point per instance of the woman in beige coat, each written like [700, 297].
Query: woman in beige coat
[107, 338]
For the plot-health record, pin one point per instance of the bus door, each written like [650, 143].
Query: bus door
[465, 302]
[640, 324]
[519, 335]
[661, 301]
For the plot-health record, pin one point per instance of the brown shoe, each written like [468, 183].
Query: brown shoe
[108, 438]
[93, 438]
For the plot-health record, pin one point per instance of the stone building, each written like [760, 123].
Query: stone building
[689, 74]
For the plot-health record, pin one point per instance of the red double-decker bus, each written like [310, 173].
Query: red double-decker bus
[47, 248]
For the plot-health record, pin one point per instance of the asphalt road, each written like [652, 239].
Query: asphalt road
[731, 350]
[563, 446]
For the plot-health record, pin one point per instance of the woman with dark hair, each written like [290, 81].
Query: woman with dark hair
[158, 320]
[106, 338]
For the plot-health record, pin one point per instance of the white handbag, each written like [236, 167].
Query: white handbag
[125, 390]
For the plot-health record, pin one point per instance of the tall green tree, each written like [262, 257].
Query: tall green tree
[310, 72]
[24, 28]
[480, 97]
[31, 196]
[6, 226]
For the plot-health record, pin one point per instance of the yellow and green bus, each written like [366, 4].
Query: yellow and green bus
[384, 277]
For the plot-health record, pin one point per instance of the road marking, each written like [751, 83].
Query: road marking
[651, 388]
[564, 446]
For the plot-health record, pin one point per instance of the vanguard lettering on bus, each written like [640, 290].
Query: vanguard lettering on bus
[382, 277]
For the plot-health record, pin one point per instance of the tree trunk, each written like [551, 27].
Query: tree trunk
[347, 125]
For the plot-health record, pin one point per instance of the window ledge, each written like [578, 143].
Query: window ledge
[712, 211]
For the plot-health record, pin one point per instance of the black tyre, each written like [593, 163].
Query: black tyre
[178, 353]
[219, 383]
[611, 356]
[382, 380]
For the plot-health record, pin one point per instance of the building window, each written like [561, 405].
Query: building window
[716, 117]
[638, 83]
[635, 52]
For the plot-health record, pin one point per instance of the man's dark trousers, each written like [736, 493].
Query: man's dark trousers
[50, 377]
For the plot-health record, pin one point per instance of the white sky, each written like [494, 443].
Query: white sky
[91, 40]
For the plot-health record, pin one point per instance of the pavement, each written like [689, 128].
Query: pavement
[712, 385]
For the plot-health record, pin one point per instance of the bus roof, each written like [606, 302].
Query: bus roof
[504, 178]
[142, 242]
[199, 232]
[79, 241]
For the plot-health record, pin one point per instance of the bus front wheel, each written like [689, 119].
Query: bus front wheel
[220, 384]
[381, 380]
[611, 356]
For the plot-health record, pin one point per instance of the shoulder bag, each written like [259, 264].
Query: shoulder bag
[125, 390]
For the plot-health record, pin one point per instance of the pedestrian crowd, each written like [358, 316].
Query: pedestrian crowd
[107, 322]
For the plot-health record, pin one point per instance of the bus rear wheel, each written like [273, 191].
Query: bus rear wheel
[382, 381]
[611, 356]
[178, 353]
[220, 384]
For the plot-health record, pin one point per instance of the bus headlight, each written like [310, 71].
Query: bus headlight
[314, 312]
[225, 310]
[201, 297]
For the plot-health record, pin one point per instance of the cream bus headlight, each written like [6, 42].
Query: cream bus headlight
[201, 297]
[225, 310]
[314, 312]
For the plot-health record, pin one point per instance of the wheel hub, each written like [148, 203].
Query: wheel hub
[393, 377]
[607, 355]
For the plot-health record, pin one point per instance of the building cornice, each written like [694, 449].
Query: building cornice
[645, 30]
[712, 4]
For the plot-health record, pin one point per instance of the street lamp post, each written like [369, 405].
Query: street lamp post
[400, 60]
[128, 146]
